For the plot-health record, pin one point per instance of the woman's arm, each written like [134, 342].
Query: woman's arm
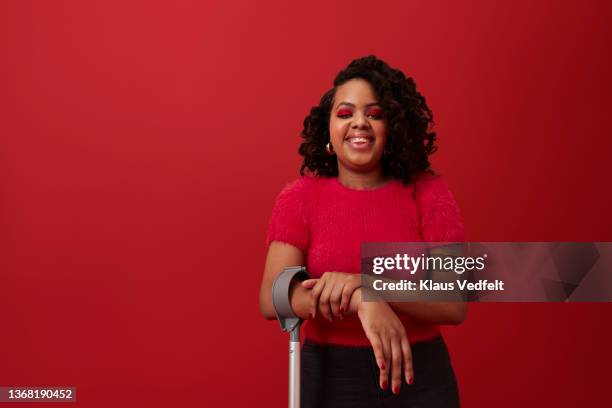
[433, 312]
[440, 222]
[281, 255]
[452, 313]
[436, 312]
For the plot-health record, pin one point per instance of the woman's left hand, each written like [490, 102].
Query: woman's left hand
[332, 292]
[389, 341]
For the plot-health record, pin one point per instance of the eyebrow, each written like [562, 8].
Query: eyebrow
[353, 105]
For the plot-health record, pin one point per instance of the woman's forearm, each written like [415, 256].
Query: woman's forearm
[433, 312]
[420, 304]
[430, 312]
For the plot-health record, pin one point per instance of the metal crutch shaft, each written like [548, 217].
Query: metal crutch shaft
[294, 367]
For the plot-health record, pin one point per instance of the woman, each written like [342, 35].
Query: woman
[366, 177]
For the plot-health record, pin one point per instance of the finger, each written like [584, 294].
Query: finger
[387, 352]
[407, 354]
[396, 364]
[335, 300]
[324, 305]
[379, 355]
[309, 283]
[347, 292]
[314, 296]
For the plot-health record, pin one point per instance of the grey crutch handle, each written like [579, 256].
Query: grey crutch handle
[280, 296]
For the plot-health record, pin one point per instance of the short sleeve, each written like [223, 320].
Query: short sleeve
[439, 213]
[288, 220]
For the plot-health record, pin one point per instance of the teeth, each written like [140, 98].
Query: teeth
[358, 139]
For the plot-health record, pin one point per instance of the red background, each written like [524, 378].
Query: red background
[143, 144]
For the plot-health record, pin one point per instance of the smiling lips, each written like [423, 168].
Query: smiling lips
[359, 140]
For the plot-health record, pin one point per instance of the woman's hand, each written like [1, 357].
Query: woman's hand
[389, 341]
[331, 293]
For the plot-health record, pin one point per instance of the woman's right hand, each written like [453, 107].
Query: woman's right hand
[331, 293]
[389, 341]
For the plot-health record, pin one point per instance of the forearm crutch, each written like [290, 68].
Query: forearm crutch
[290, 322]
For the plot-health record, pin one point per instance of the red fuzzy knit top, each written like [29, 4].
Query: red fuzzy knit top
[329, 221]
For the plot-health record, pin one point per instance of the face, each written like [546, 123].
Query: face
[357, 128]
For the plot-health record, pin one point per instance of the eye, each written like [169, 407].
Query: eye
[375, 113]
[344, 113]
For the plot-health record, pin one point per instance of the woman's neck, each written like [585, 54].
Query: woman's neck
[362, 180]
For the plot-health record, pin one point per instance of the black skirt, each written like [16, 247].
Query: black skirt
[345, 376]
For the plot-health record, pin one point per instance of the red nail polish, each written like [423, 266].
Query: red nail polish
[384, 385]
[396, 389]
[382, 366]
[410, 381]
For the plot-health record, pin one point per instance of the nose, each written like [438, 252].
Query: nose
[360, 121]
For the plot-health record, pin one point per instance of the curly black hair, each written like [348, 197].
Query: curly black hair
[410, 139]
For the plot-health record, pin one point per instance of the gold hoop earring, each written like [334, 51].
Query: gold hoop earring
[329, 149]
